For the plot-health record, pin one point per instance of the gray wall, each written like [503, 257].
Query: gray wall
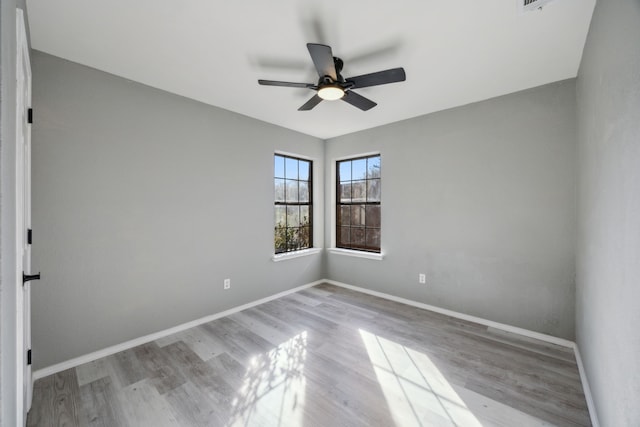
[8, 271]
[481, 199]
[139, 215]
[608, 256]
[143, 202]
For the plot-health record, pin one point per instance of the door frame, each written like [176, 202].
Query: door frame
[24, 384]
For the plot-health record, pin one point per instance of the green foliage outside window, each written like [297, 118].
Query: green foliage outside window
[290, 238]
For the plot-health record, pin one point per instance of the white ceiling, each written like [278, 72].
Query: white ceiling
[454, 51]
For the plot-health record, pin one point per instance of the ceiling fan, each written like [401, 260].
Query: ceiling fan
[331, 85]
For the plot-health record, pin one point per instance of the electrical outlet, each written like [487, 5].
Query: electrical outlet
[227, 284]
[422, 278]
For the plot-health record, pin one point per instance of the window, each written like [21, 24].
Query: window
[358, 204]
[293, 205]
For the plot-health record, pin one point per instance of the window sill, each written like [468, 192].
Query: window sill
[296, 254]
[357, 254]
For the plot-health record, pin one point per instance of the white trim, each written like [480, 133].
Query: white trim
[357, 254]
[585, 387]
[295, 254]
[24, 382]
[72, 363]
[332, 203]
[490, 323]
[80, 360]
[77, 361]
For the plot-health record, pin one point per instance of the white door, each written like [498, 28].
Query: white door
[23, 217]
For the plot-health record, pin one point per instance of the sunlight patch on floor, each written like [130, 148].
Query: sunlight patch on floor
[273, 391]
[416, 391]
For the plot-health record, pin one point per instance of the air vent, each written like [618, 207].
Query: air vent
[531, 5]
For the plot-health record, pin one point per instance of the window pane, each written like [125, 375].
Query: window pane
[304, 191]
[357, 215]
[279, 189]
[359, 169]
[303, 170]
[281, 216]
[344, 236]
[305, 237]
[345, 215]
[373, 238]
[291, 168]
[280, 240]
[358, 191]
[292, 239]
[345, 192]
[373, 167]
[304, 215]
[357, 236]
[292, 191]
[373, 216]
[293, 216]
[345, 171]
[278, 167]
[373, 190]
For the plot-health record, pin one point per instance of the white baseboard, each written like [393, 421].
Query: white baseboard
[80, 360]
[508, 328]
[77, 361]
[585, 388]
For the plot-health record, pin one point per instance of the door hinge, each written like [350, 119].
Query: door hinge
[29, 236]
[29, 357]
[29, 277]
[30, 115]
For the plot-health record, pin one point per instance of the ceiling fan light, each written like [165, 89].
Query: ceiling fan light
[330, 93]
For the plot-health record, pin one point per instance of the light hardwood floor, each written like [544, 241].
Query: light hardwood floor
[325, 356]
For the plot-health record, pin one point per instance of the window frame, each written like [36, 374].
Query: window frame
[291, 252]
[365, 250]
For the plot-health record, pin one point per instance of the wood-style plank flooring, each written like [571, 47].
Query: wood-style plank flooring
[325, 356]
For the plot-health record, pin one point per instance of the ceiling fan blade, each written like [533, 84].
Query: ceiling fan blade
[380, 78]
[315, 100]
[286, 84]
[323, 60]
[358, 101]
